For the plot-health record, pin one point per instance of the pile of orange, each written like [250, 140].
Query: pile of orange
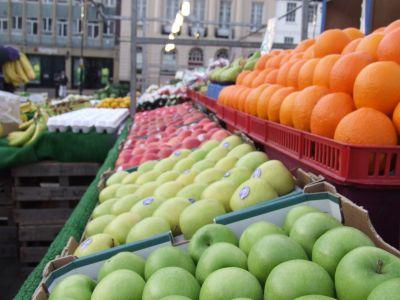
[342, 85]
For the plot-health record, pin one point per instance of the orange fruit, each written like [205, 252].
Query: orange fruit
[225, 93]
[379, 30]
[275, 61]
[306, 73]
[235, 102]
[242, 99]
[285, 113]
[293, 74]
[296, 56]
[370, 44]
[323, 69]
[328, 112]
[304, 45]
[330, 42]
[271, 77]
[276, 51]
[346, 69]
[252, 99]
[263, 101]
[392, 26]
[309, 53]
[377, 86]
[283, 73]
[353, 33]
[241, 76]
[396, 118]
[260, 65]
[284, 60]
[304, 105]
[366, 126]
[389, 47]
[248, 80]
[231, 102]
[275, 103]
[259, 80]
[351, 47]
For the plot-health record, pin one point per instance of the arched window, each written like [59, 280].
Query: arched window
[222, 53]
[195, 57]
[168, 61]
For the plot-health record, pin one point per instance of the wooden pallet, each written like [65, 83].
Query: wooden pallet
[33, 252]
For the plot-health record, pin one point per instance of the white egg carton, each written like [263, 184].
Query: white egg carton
[83, 120]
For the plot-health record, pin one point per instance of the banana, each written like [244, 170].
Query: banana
[25, 107]
[15, 135]
[17, 140]
[25, 125]
[10, 71]
[6, 77]
[20, 71]
[40, 128]
[26, 65]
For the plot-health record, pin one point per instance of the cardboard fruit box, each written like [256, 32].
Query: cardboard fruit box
[321, 195]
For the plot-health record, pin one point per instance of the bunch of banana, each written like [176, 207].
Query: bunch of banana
[19, 71]
[27, 107]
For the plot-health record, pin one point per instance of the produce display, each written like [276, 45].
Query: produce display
[183, 192]
[69, 103]
[83, 120]
[156, 97]
[19, 71]
[313, 256]
[342, 85]
[112, 91]
[124, 102]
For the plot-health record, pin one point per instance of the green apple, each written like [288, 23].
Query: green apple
[167, 177]
[252, 160]
[277, 175]
[147, 166]
[296, 278]
[116, 178]
[126, 189]
[255, 232]
[270, 251]
[122, 261]
[108, 192]
[104, 208]
[208, 146]
[308, 228]
[192, 191]
[175, 297]
[217, 154]
[220, 190]
[295, 213]
[147, 177]
[209, 235]
[121, 225]
[231, 142]
[314, 297]
[330, 247]
[251, 192]
[218, 256]
[180, 154]
[131, 178]
[184, 164]
[390, 289]
[237, 175]
[95, 243]
[168, 256]
[168, 190]
[165, 164]
[146, 207]
[187, 177]
[228, 283]
[171, 281]
[198, 154]
[203, 165]
[73, 287]
[362, 270]
[119, 285]
[241, 298]
[97, 225]
[199, 214]
[147, 228]
[209, 176]
[226, 163]
[240, 151]
[171, 210]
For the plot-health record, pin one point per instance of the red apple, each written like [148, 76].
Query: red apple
[220, 135]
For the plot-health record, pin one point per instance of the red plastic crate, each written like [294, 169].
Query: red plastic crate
[191, 94]
[257, 129]
[242, 121]
[219, 109]
[286, 139]
[229, 116]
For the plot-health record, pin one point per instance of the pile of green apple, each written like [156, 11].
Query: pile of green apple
[183, 192]
[313, 257]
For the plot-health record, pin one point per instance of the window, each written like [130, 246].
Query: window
[77, 27]
[256, 15]
[3, 24]
[288, 40]
[62, 28]
[312, 12]
[47, 1]
[195, 57]
[110, 3]
[222, 53]
[169, 61]
[32, 26]
[291, 15]
[198, 10]
[224, 13]
[109, 28]
[17, 23]
[139, 58]
[47, 25]
[93, 29]
[141, 9]
[171, 9]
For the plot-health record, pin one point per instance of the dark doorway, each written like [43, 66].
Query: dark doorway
[46, 68]
[92, 73]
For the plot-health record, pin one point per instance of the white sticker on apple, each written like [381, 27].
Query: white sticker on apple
[86, 243]
[177, 153]
[191, 200]
[227, 174]
[148, 201]
[244, 192]
[257, 173]
[226, 145]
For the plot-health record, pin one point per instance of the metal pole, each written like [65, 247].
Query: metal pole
[304, 20]
[133, 57]
[81, 63]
